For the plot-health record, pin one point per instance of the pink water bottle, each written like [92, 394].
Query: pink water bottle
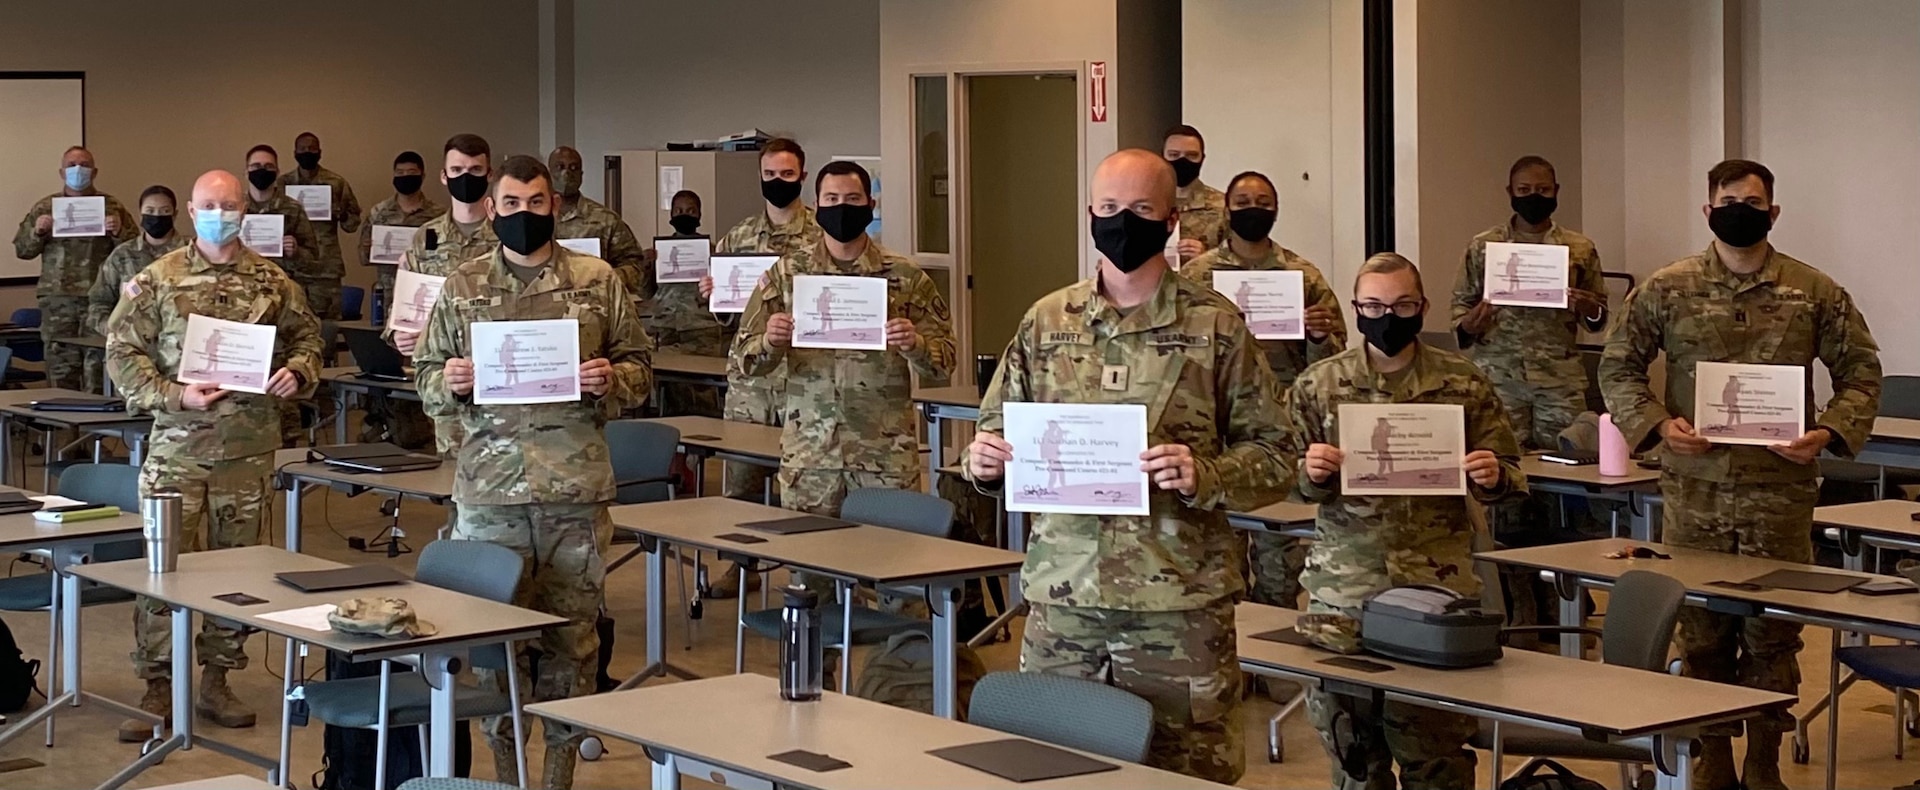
[1613, 449]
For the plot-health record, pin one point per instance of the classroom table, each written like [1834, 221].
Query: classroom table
[347, 379]
[699, 370]
[464, 622]
[231, 782]
[1584, 564]
[94, 343]
[15, 407]
[64, 546]
[742, 721]
[296, 473]
[938, 405]
[709, 437]
[1586, 482]
[1526, 689]
[1887, 523]
[854, 556]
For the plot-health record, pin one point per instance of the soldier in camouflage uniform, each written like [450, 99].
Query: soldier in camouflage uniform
[408, 208]
[850, 421]
[159, 235]
[581, 217]
[68, 268]
[1252, 206]
[679, 321]
[213, 446]
[1203, 209]
[1740, 301]
[329, 268]
[536, 478]
[1145, 603]
[264, 196]
[1368, 544]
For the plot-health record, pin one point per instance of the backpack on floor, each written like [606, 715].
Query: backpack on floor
[16, 674]
[347, 752]
[1549, 775]
[900, 673]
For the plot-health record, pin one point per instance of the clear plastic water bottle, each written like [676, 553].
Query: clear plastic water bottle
[802, 656]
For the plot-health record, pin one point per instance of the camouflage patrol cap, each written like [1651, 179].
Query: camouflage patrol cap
[388, 617]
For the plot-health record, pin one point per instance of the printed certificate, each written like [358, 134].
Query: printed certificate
[1526, 275]
[526, 361]
[413, 297]
[316, 199]
[265, 234]
[833, 311]
[234, 355]
[734, 277]
[1403, 449]
[681, 260]
[390, 244]
[75, 217]
[1076, 458]
[1273, 302]
[1749, 404]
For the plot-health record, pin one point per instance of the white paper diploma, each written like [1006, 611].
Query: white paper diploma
[1403, 449]
[1173, 247]
[1076, 458]
[526, 361]
[265, 234]
[672, 180]
[586, 246]
[1749, 404]
[74, 217]
[681, 260]
[413, 297]
[234, 355]
[1273, 302]
[832, 311]
[390, 244]
[317, 199]
[1526, 275]
[734, 277]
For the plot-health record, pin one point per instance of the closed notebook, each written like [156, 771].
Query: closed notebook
[341, 578]
[797, 525]
[1021, 760]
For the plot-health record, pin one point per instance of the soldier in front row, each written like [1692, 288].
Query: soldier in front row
[212, 445]
[1740, 301]
[537, 478]
[1367, 544]
[1145, 603]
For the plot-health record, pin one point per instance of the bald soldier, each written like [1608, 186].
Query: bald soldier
[212, 445]
[1203, 209]
[581, 217]
[1740, 301]
[344, 217]
[68, 267]
[1145, 603]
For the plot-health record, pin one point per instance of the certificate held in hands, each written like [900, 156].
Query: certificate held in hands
[681, 260]
[734, 278]
[233, 355]
[518, 362]
[414, 295]
[833, 311]
[1272, 302]
[1403, 449]
[1076, 458]
[1749, 404]
[315, 199]
[79, 217]
[265, 234]
[1526, 275]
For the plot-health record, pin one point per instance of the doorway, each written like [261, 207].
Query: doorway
[1024, 216]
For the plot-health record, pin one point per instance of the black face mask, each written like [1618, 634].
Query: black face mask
[262, 179]
[779, 192]
[844, 222]
[684, 224]
[523, 232]
[1740, 225]
[1534, 208]
[1391, 333]
[467, 187]
[1128, 239]
[1252, 223]
[157, 225]
[407, 185]
[308, 159]
[1184, 170]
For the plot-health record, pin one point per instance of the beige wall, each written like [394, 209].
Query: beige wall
[175, 89]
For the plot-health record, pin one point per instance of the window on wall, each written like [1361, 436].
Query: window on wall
[930, 170]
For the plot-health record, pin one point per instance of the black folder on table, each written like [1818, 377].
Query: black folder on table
[797, 525]
[83, 404]
[341, 578]
[378, 457]
[1807, 581]
[1021, 760]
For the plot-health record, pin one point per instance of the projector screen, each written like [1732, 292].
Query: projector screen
[41, 114]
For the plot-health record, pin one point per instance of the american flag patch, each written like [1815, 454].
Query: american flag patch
[130, 290]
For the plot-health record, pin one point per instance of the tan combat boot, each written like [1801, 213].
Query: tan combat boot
[557, 773]
[506, 769]
[159, 702]
[727, 584]
[217, 701]
[1714, 768]
[1761, 769]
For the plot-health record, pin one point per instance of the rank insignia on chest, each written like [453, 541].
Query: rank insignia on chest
[1113, 378]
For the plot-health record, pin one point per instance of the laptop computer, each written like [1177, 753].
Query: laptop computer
[376, 359]
[377, 457]
[80, 404]
[348, 578]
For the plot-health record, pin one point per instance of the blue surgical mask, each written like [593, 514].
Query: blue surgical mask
[216, 226]
[79, 177]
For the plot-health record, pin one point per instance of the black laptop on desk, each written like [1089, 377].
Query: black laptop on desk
[380, 457]
[376, 359]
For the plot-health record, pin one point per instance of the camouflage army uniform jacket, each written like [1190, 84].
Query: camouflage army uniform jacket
[759, 397]
[1696, 311]
[302, 265]
[679, 321]
[388, 212]
[329, 264]
[148, 328]
[851, 410]
[584, 218]
[1365, 544]
[1535, 345]
[449, 249]
[1285, 357]
[1203, 214]
[545, 453]
[126, 261]
[1191, 361]
[68, 266]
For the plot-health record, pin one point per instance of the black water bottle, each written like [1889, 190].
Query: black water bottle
[983, 367]
[802, 656]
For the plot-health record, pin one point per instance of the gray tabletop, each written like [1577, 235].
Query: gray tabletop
[21, 531]
[1896, 429]
[726, 437]
[1523, 684]
[967, 396]
[233, 782]
[693, 365]
[1588, 475]
[871, 555]
[349, 376]
[742, 720]
[86, 341]
[434, 484]
[461, 618]
[18, 403]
